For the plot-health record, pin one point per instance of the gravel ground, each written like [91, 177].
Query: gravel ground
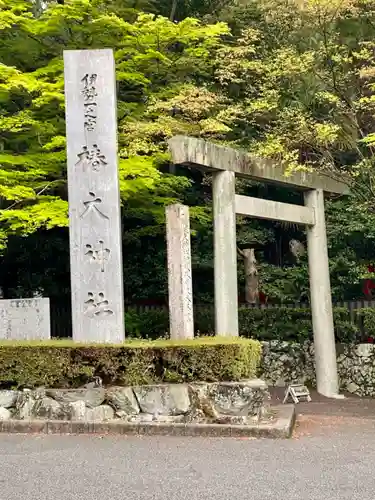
[330, 458]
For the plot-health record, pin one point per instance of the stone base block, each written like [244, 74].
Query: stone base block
[220, 402]
[280, 427]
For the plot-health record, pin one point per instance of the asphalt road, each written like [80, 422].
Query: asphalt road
[333, 465]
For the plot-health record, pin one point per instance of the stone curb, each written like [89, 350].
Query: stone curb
[282, 427]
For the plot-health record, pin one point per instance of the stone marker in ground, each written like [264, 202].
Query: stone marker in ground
[25, 319]
[180, 287]
[94, 199]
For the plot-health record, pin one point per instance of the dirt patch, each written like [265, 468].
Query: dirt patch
[324, 416]
[317, 425]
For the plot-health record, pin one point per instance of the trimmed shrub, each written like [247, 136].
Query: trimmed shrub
[279, 323]
[64, 364]
[289, 324]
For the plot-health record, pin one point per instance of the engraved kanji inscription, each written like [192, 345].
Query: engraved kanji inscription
[90, 116]
[97, 305]
[89, 89]
[90, 105]
[90, 122]
[91, 206]
[98, 254]
[90, 108]
[91, 158]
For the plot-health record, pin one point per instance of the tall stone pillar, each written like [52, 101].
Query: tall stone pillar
[321, 301]
[180, 288]
[225, 254]
[94, 197]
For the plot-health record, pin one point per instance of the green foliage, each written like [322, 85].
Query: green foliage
[65, 364]
[39, 263]
[286, 323]
[300, 87]
[180, 9]
[368, 318]
[150, 324]
[158, 64]
[291, 81]
[279, 323]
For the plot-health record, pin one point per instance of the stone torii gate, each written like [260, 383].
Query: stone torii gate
[225, 163]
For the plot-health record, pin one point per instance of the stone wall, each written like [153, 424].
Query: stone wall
[284, 362]
[222, 402]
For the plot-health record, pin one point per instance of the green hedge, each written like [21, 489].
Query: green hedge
[367, 316]
[282, 323]
[65, 364]
[292, 324]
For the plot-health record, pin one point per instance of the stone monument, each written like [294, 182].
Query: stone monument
[94, 200]
[179, 272]
[225, 163]
[25, 319]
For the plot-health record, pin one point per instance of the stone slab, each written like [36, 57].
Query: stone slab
[48, 408]
[77, 410]
[180, 285]
[100, 413]
[281, 427]
[194, 152]
[246, 398]
[94, 197]
[123, 400]
[163, 399]
[92, 397]
[8, 398]
[25, 319]
[5, 414]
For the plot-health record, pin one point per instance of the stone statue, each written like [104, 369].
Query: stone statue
[297, 249]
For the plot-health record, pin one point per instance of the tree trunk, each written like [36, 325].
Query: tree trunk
[251, 276]
[173, 10]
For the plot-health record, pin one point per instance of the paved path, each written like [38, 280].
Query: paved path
[324, 461]
[350, 406]
[331, 457]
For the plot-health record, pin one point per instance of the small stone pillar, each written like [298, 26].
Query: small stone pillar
[225, 254]
[321, 301]
[180, 288]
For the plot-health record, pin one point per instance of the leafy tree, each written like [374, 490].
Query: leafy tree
[293, 82]
[151, 54]
[177, 10]
[300, 84]
[162, 72]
